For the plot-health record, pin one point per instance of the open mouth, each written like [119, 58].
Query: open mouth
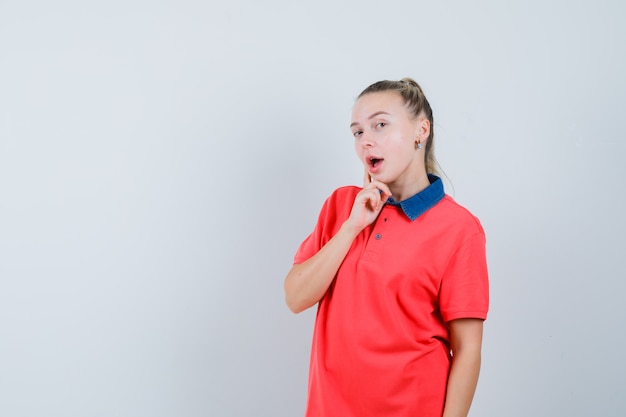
[374, 162]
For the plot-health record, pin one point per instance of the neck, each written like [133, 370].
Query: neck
[402, 190]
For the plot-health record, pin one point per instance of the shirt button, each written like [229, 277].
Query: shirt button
[378, 236]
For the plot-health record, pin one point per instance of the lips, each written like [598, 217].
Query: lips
[374, 163]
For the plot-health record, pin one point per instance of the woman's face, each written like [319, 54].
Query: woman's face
[385, 137]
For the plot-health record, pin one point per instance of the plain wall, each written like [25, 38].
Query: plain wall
[160, 162]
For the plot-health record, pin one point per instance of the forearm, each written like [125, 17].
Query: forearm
[462, 384]
[306, 283]
[466, 343]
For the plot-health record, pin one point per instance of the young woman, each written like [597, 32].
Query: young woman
[399, 274]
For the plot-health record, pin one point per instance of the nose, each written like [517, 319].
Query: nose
[366, 140]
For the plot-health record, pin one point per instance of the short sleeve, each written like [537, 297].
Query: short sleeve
[335, 210]
[464, 291]
[308, 247]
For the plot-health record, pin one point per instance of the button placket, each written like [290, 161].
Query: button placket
[378, 235]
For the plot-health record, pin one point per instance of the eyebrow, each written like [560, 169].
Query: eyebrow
[378, 113]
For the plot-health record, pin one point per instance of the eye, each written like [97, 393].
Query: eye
[381, 124]
[357, 133]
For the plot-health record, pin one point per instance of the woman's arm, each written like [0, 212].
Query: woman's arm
[306, 283]
[466, 337]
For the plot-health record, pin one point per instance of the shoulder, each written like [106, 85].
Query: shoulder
[338, 205]
[343, 196]
[347, 191]
[335, 210]
[454, 214]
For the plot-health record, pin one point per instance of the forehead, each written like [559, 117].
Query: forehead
[390, 102]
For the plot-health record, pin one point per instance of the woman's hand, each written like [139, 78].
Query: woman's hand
[368, 203]
[306, 283]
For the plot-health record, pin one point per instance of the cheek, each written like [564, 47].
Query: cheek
[357, 150]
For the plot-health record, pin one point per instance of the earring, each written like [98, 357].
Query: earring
[419, 144]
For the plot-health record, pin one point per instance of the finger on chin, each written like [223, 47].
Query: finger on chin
[367, 178]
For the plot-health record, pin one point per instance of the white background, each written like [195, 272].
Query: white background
[160, 162]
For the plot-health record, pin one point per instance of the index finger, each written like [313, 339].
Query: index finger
[367, 178]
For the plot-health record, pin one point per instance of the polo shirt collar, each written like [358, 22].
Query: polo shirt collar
[421, 202]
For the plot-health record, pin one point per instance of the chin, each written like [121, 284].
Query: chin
[382, 178]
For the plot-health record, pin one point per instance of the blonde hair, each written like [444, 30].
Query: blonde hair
[416, 101]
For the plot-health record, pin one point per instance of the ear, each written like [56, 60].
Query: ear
[422, 130]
